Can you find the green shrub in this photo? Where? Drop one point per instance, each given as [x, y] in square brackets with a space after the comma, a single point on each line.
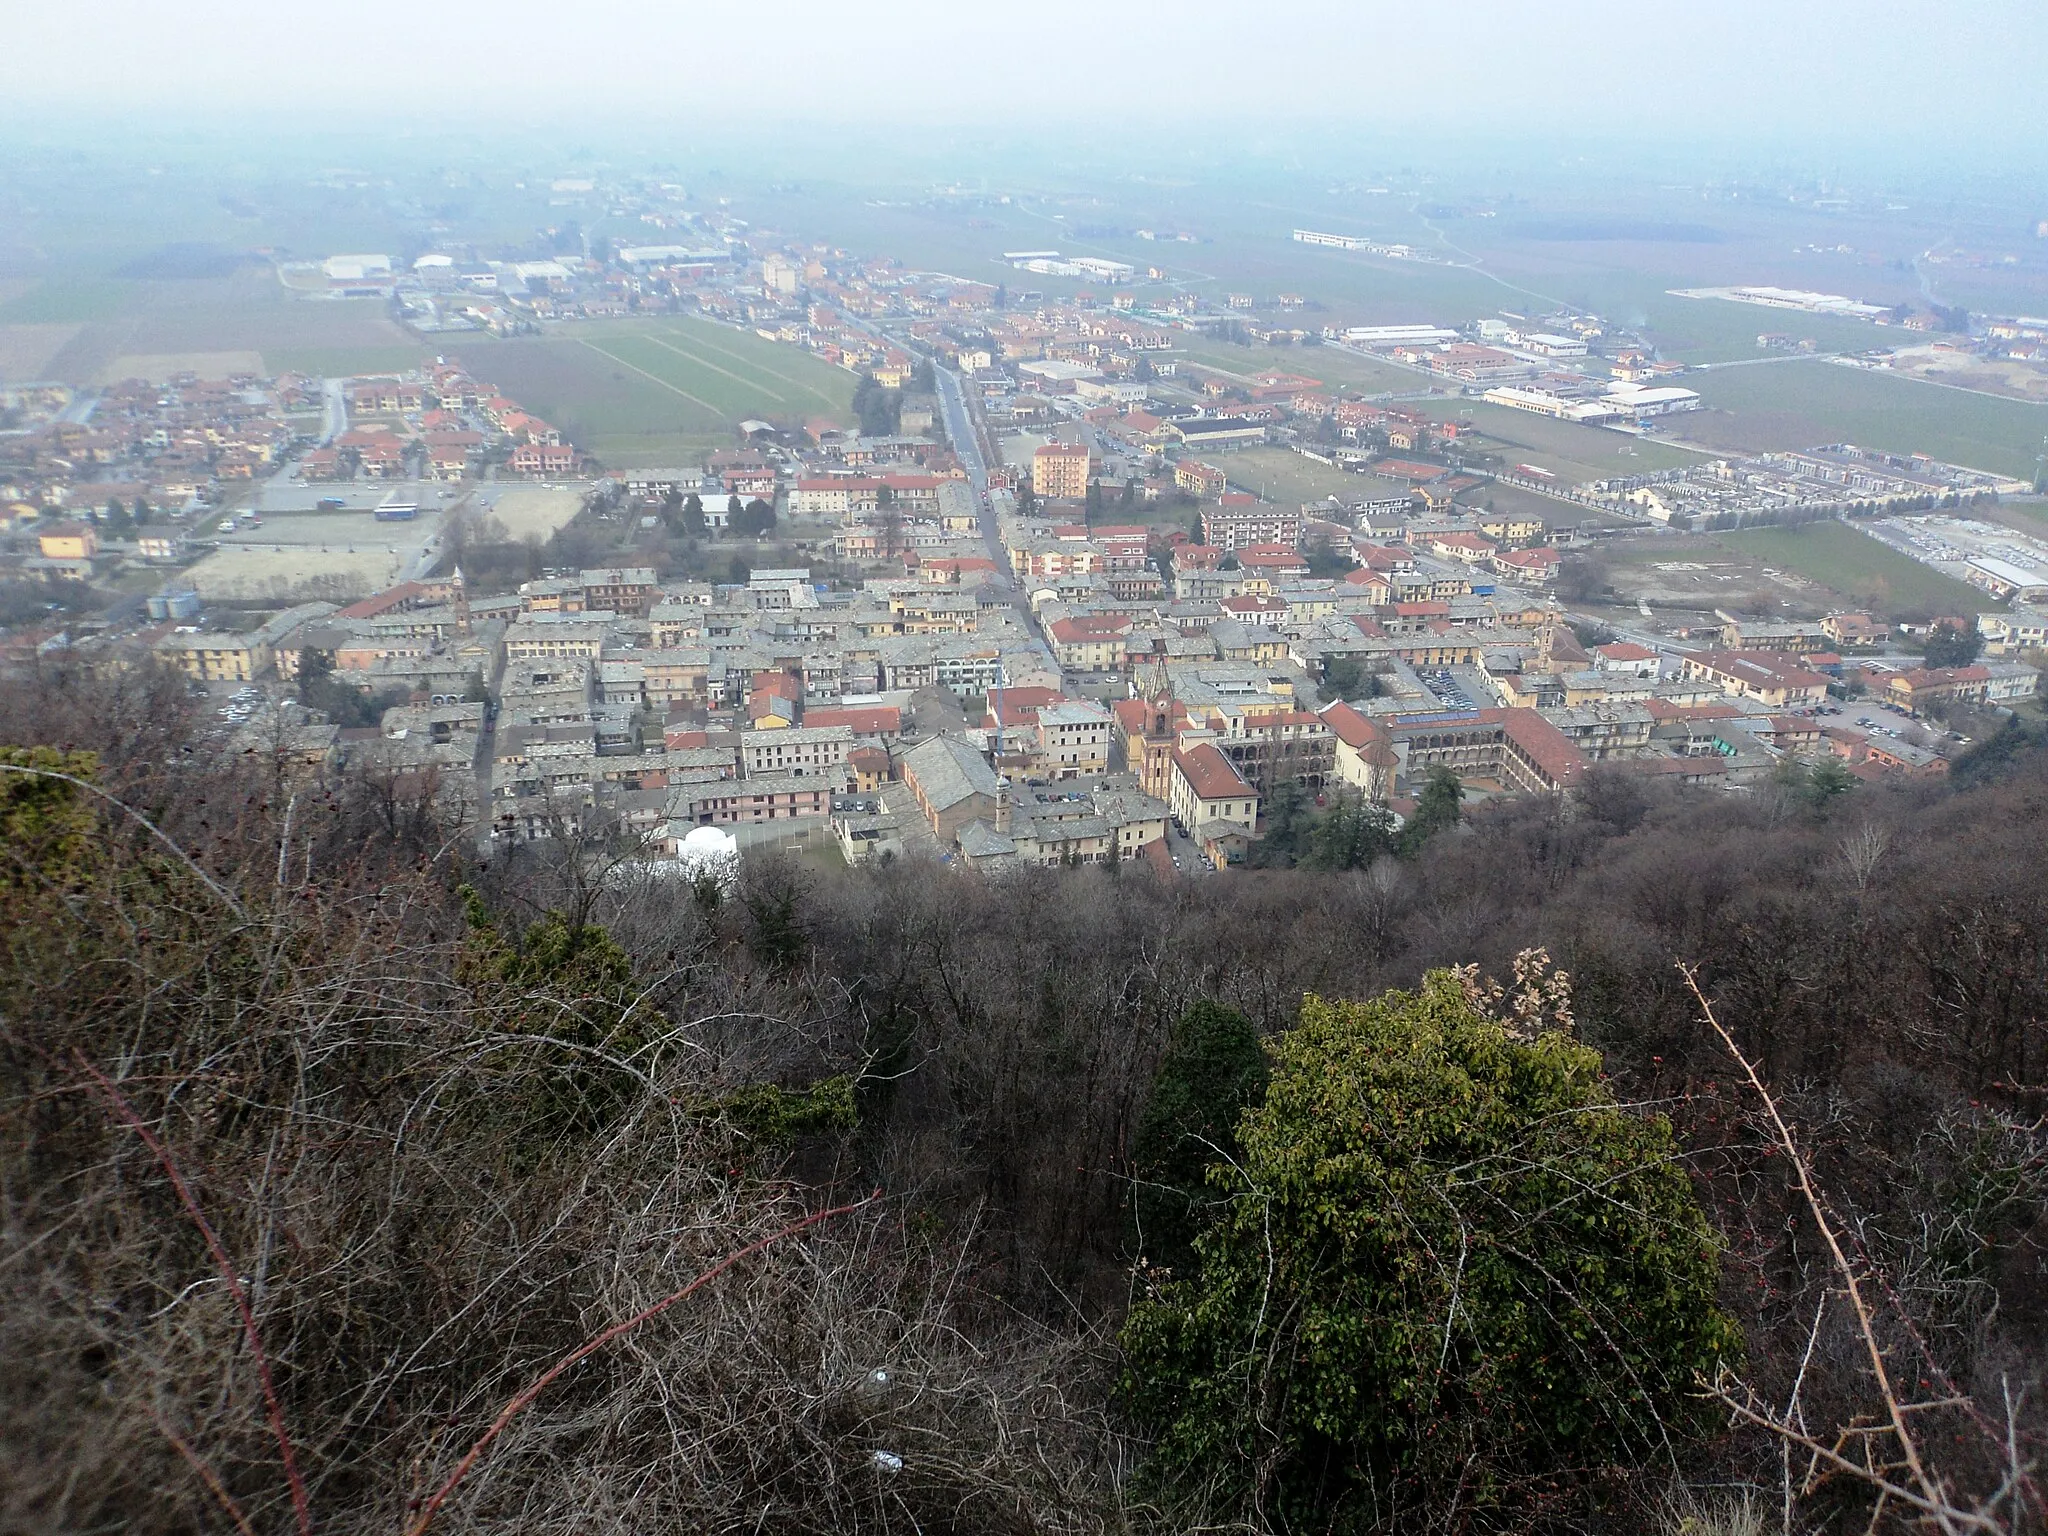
[1447, 1256]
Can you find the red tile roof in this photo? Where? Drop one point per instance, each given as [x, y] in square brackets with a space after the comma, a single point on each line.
[1209, 773]
[1545, 745]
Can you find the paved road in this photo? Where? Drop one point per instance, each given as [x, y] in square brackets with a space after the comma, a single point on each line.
[337, 409]
[960, 428]
[80, 410]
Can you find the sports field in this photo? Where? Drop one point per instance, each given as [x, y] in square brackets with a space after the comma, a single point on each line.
[1280, 474]
[1335, 369]
[659, 391]
[1567, 449]
[1776, 406]
[1850, 562]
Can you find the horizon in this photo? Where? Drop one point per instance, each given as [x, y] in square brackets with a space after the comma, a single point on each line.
[1738, 80]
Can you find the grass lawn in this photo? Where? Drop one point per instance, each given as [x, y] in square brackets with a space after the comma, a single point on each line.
[1335, 369]
[727, 372]
[1778, 406]
[1850, 562]
[1280, 474]
[657, 392]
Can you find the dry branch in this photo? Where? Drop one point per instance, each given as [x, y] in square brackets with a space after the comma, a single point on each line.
[229, 1277]
[596, 1342]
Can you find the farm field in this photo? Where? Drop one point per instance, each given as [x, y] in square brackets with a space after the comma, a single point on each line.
[26, 350]
[66, 301]
[245, 312]
[1858, 567]
[2028, 514]
[1778, 406]
[658, 391]
[159, 366]
[340, 362]
[1720, 330]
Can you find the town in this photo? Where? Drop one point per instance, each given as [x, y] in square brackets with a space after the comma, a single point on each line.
[844, 771]
[1042, 597]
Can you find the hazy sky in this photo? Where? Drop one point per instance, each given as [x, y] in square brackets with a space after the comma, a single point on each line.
[1699, 70]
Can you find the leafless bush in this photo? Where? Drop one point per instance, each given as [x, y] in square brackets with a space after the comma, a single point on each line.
[1925, 1449]
[302, 1193]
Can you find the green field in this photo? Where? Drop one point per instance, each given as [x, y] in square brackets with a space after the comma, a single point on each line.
[1776, 406]
[1280, 474]
[1567, 449]
[658, 391]
[66, 301]
[1858, 567]
[1719, 330]
[339, 362]
[1336, 370]
[247, 311]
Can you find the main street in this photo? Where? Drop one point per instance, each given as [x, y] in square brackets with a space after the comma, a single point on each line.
[967, 448]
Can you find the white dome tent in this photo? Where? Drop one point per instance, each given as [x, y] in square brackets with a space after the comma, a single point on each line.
[709, 851]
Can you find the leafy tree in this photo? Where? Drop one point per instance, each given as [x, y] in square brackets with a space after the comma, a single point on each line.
[141, 512]
[1091, 503]
[565, 984]
[1819, 783]
[1997, 756]
[342, 703]
[1286, 817]
[1448, 1256]
[1436, 810]
[1347, 677]
[693, 515]
[1323, 560]
[1591, 632]
[733, 513]
[1950, 646]
[1352, 834]
[116, 517]
[879, 410]
[1582, 578]
[1212, 1070]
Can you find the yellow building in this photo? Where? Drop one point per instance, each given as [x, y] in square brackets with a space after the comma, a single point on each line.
[1512, 529]
[1060, 470]
[69, 541]
[219, 657]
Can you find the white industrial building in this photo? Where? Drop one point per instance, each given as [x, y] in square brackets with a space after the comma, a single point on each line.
[1398, 335]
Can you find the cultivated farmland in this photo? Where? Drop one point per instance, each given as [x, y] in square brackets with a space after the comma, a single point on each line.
[1846, 560]
[1778, 406]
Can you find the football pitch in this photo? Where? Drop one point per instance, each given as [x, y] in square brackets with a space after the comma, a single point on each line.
[661, 390]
